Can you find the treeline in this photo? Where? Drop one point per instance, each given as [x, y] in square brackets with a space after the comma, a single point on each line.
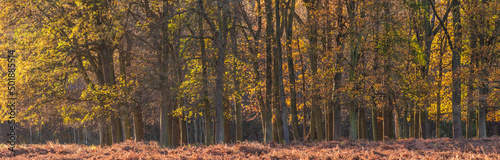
[206, 71]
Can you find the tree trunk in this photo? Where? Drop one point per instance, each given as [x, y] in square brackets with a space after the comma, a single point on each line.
[483, 91]
[424, 127]
[106, 57]
[388, 121]
[166, 60]
[117, 129]
[416, 120]
[276, 101]
[165, 119]
[362, 128]
[221, 39]
[470, 83]
[374, 119]
[206, 103]
[455, 65]
[138, 123]
[227, 121]
[104, 138]
[182, 123]
[438, 107]
[125, 113]
[278, 60]
[269, 57]
[329, 120]
[440, 83]
[396, 120]
[428, 37]
[239, 121]
[353, 118]
[405, 122]
[411, 129]
[291, 71]
[304, 91]
[176, 128]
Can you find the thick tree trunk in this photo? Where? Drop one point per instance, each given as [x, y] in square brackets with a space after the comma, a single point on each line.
[423, 120]
[138, 123]
[353, 118]
[329, 120]
[165, 119]
[219, 70]
[165, 59]
[481, 120]
[103, 132]
[362, 127]
[428, 37]
[455, 65]
[106, 57]
[388, 121]
[117, 129]
[269, 82]
[396, 120]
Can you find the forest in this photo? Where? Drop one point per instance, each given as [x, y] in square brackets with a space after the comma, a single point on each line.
[211, 72]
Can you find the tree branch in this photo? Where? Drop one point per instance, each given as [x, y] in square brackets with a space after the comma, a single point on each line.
[442, 24]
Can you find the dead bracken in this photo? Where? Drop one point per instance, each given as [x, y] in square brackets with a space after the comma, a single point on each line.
[344, 149]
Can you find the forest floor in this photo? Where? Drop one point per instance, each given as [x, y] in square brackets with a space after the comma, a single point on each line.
[443, 148]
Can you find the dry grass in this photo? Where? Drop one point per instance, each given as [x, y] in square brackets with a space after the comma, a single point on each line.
[443, 148]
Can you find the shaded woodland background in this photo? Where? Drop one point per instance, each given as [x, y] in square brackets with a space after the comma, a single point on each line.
[220, 71]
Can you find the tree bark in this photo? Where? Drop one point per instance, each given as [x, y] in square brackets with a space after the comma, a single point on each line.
[279, 76]
[304, 98]
[362, 127]
[353, 118]
[483, 91]
[440, 81]
[455, 65]
[138, 123]
[221, 39]
[291, 71]
[269, 57]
